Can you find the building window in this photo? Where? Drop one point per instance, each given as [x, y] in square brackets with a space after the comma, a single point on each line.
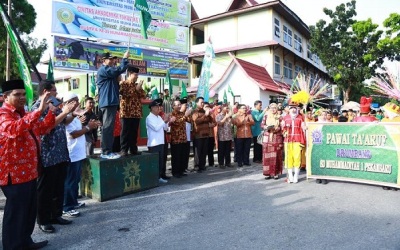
[298, 43]
[73, 84]
[297, 70]
[277, 65]
[287, 35]
[287, 69]
[312, 79]
[309, 54]
[316, 59]
[277, 28]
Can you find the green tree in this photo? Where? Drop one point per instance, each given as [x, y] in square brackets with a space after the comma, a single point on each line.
[23, 15]
[347, 48]
[390, 44]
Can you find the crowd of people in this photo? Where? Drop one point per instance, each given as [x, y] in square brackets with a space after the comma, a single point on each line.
[42, 151]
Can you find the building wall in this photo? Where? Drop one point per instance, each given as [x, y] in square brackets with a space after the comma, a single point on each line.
[222, 33]
[254, 27]
[258, 56]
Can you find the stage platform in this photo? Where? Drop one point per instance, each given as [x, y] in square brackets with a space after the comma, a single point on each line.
[107, 179]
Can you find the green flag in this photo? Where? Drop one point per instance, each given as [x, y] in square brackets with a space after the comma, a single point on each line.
[154, 94]
[169, 82]
[93, 86]
[205, 74]
[184, 91]
[230, 91]
[225, 97]
[24, 72]
[145, 16]
[50, 73]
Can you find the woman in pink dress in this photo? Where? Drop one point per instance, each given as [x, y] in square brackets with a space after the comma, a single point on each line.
[272, 143]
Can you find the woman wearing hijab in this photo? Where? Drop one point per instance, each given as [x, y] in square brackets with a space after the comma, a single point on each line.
[272, 143]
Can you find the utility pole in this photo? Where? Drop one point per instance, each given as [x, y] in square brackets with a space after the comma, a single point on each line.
[8, 55]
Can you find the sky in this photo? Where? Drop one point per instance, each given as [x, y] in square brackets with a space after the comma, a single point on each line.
[309, 11]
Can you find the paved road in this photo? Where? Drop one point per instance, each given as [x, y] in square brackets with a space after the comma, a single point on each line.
[231, 209]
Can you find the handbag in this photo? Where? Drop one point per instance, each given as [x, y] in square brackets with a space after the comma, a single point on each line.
[260, 138]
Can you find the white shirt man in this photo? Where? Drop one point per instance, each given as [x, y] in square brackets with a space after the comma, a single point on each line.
[156, 126]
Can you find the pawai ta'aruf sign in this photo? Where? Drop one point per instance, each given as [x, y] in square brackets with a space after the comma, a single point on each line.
[356, 152]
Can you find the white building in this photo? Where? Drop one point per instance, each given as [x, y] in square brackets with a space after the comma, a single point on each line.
[248, 38]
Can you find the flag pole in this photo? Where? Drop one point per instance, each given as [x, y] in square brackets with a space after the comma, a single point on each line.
[8, 54]
[21, 44]
[129, 41]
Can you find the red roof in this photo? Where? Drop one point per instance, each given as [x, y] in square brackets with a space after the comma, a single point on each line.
[239, 4]
[193, 13]
[259, 74]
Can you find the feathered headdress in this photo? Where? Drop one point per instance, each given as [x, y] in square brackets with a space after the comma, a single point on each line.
[305, 91]
[388, 84]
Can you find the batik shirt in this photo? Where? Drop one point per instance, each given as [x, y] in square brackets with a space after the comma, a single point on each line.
[54, 148]
[178, 128]
[130, 100]
[18, 148]
[224, 130]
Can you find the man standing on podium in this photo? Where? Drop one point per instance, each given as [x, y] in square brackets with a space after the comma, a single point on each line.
[109, 100]
[131, 94]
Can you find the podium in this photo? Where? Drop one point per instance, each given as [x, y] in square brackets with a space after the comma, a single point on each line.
[104, 179]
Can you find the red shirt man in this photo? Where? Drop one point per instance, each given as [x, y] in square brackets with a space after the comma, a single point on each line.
[19, 161]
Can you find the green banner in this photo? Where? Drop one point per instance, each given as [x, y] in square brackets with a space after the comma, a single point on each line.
[365, 153]
[23, 69]
[96, 23]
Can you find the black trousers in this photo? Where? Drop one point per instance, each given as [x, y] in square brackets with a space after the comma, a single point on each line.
[200, 149]
[234, 150]
[210, 151]
[224, 153]
[19, 214]
[243, 151]
[178, 158]
[50, 193]
[107, 134]
[186, 155]
[257, 150]
[129, 134]
[165, 156]
[116, 148]
[160, 150]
